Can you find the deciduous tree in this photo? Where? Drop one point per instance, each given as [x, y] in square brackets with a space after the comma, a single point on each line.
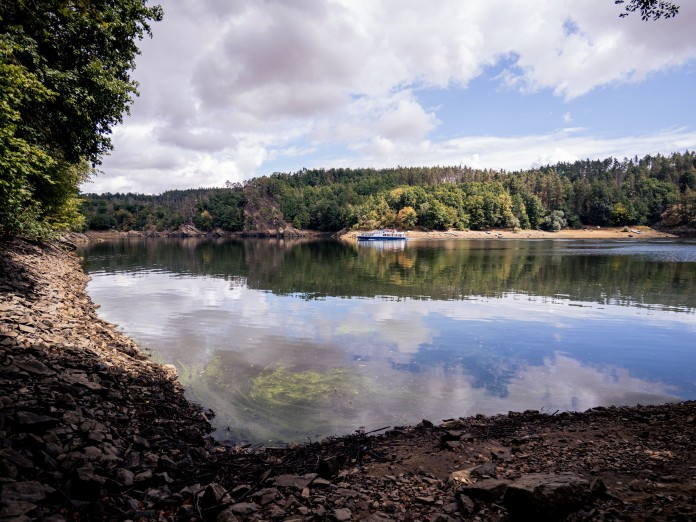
[64, 84]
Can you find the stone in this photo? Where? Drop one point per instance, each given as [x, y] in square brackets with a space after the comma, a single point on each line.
[546, 496]
[143, 476]
[16, 509]
[343, 514]
[244, 508]
[462, 476]
[35, 367]
[29, 491]
[170, 371]
[465, 504]
[35, 422]
[266, 496]
[214, 495]
[487, 470]
[329, 467]
[298, 482]
[226, 516]
[488, 490]
[125, 477]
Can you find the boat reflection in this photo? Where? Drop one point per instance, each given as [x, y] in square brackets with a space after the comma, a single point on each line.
[383, 245]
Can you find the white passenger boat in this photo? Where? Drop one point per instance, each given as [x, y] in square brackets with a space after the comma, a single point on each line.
[383, 234]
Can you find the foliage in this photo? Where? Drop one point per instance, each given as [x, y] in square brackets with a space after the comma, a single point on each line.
[555, 221]
[649, 9]
[603, 192]
[64, 84]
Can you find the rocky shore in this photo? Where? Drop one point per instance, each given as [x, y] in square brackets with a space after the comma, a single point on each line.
[90, 429]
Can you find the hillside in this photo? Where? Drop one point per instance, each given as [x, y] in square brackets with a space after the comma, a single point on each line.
[657, 191]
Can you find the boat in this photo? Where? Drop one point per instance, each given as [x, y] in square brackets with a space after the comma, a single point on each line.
[383, 234]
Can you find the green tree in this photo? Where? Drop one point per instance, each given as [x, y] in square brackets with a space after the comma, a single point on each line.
[621, 214]
[64, 83]
[554, 221]
[407, 218]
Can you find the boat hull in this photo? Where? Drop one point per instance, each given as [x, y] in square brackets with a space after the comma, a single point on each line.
[380, 238]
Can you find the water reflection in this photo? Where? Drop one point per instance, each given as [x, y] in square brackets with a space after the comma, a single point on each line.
[275, 348]
[633, 274]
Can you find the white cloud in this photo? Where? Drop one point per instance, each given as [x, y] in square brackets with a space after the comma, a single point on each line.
[226, 87]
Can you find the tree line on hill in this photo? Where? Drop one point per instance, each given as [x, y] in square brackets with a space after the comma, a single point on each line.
[652, 190]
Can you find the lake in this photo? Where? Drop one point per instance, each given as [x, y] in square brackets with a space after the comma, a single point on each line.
[298, 340]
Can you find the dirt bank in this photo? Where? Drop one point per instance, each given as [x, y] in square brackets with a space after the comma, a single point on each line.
[637, 233]
[91, 429]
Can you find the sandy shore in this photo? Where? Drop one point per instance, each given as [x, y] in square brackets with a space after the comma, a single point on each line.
[585, 233]
[90, 429]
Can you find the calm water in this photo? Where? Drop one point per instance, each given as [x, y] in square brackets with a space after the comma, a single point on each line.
[287, 340]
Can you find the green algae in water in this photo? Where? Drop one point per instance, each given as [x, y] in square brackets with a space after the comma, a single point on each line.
[280, 386]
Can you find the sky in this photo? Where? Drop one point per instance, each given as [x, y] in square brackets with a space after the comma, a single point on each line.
[232, 90]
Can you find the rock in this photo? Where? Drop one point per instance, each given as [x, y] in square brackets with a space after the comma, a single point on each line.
[213, 496]
[543, 496]
[343, 514]
[465, 504]
[462, 476]
[170, 371]
[489, 490]
[35, 367]
[298, 482]
[29, 491]
[143, 476]
[329, 467]
[16, 509]
[266, 496]
[226, 516]
[35, 422]
[487, 470]
[125, 477]
[244, 508]
[86, 484]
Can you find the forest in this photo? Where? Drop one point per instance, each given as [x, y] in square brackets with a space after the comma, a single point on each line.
[655, 190]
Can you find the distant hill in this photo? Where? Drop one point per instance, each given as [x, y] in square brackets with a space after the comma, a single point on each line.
[655, 191]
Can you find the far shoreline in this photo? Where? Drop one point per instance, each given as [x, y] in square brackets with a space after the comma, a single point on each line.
[636, 233]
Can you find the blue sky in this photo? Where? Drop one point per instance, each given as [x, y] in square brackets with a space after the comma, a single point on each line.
[234, 90]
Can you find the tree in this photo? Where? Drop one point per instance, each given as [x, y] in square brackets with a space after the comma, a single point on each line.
[406, 218]
[555, 221]
[64, 84]
[649, 9]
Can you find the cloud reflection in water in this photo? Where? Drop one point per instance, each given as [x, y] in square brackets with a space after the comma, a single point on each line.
[407, 359]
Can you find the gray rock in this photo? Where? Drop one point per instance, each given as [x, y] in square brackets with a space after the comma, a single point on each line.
[343, 514]
[213, 496]
[33, 422]
[35, 367]
[125, 477]
[465, 504]
[143, 476]
[227, 516]
[266, 496]
[244, 508]
[29, 491]
[16, 509]
[298, 482]
[542, 496]
[487, 470]
[488, 490]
